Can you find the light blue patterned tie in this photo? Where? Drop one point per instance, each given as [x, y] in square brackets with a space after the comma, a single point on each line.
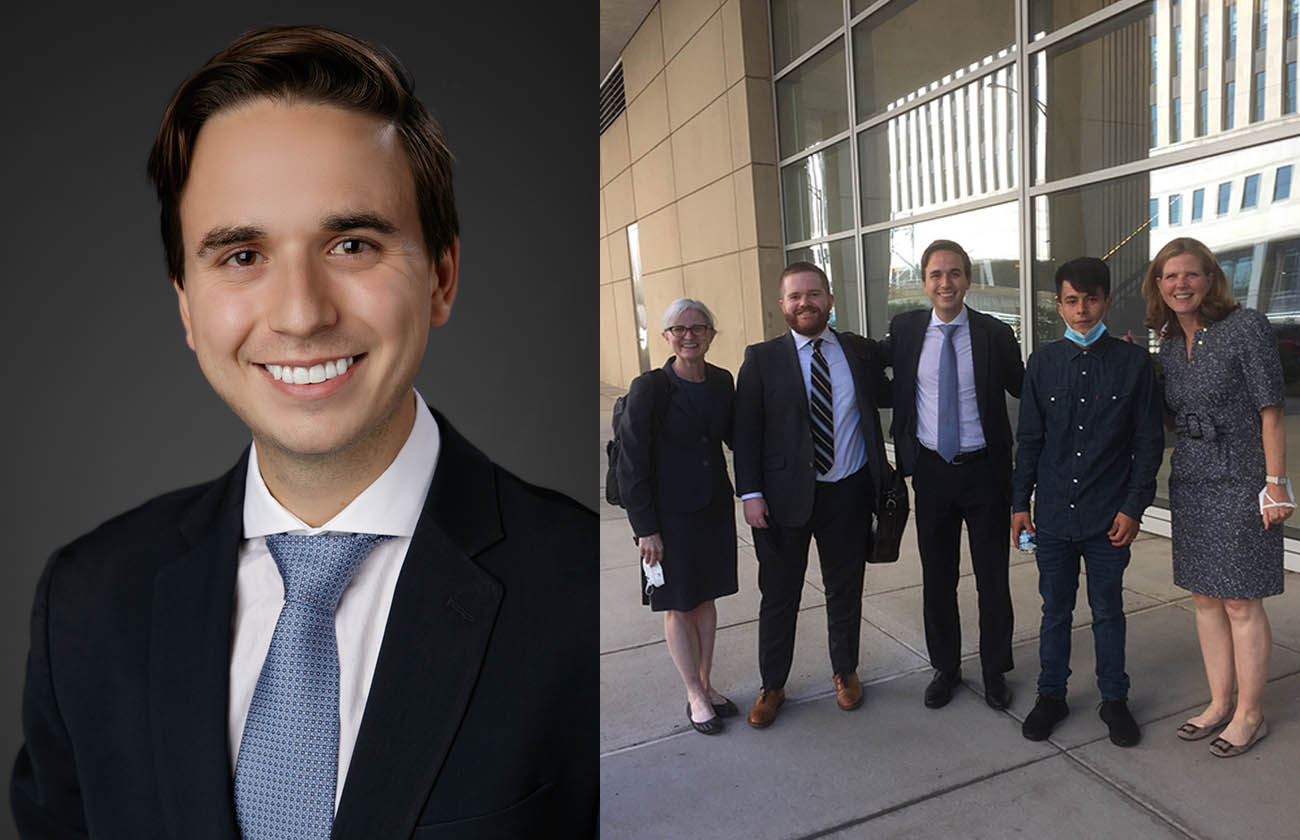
[949, 411]
[287, 769]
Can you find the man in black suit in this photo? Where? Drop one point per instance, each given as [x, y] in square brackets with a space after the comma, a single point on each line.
[808, 455]
[186, 678]
[953, 367]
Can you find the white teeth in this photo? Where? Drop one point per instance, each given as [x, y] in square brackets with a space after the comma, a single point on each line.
[312, 375]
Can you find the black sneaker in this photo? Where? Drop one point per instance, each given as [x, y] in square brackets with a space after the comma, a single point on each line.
[1124, 730]
[1048, 711]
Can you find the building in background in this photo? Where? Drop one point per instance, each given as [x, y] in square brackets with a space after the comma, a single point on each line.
[851, 133]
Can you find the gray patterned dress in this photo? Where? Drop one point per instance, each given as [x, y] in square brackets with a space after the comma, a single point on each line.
[1220, 546]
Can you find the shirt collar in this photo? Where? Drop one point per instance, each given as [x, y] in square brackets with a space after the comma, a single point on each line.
[1098, 347]
[962, 319]
[391, 505]
[802, 341]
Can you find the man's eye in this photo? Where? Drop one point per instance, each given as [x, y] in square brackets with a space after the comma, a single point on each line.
[243, 259]
[350, 247]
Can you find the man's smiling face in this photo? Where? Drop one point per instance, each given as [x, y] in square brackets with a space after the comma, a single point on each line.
[308, 292]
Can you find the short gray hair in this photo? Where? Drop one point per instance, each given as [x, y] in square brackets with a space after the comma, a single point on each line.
[680, 305]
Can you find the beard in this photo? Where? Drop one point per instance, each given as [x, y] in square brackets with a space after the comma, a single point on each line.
[805, 327]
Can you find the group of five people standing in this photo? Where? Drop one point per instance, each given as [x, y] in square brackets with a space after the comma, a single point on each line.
[804, 425]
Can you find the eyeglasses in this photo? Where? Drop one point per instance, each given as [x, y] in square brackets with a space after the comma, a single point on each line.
[697, 330]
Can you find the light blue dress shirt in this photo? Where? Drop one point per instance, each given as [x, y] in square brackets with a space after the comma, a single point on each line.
[927, 386]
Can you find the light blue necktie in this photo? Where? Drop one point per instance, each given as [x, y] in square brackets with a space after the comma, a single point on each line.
[949, 412]
[287, 769]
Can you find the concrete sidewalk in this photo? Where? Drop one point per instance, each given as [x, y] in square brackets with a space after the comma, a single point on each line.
[897, 769]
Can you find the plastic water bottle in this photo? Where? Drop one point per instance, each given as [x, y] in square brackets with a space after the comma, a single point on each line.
[1027, 543]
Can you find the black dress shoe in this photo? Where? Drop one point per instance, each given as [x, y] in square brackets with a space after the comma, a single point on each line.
[940, 689]
[996, 692]
[725, 709]
[1124, 730]
[1048, 711]
[712, 726]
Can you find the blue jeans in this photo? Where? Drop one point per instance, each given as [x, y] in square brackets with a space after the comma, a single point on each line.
[1058, 581]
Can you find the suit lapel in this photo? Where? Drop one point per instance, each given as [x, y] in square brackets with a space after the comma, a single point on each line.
[189, 665]
[913, 340]
[979, 357]
[434, 643]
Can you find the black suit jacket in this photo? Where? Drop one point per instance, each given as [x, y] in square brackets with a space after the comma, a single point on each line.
[677, 467]
[480, 718]
[773, 439]
[995, 356]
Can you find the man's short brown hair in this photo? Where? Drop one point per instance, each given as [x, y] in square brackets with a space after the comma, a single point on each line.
[308, 64]
[945, 245]
[799, 267]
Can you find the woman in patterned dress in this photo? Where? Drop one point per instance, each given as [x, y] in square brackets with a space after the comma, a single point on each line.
[1227, 488]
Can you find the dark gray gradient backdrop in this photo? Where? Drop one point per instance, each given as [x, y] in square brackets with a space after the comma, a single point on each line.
[105, 406]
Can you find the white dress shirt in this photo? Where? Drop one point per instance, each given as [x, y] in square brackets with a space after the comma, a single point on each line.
[927, 386]
[850, 449]
[390, 505]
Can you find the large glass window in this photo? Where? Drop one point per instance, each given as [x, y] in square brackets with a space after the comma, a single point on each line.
[817, 192]
[1250, 192]
[1198, 204]
[1175, 209]
[1093, 110]
[839, 260]
[1288, 95]
[812, 101]
[1282, 183]
[1232, 30]
[908, 48]
[1257, 113]
[1202, 112]
[1225, 197]
[893, 270]
[798, 25]
[1046, 16]
[1176, 120]
[1229, 105]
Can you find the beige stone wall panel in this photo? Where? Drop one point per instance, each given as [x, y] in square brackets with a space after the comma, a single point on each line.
[681, 20]
[753, 22]
[605, 276]
[767, 205]
[716, 282]
[702, 148]
[620, 208]
[620, 266]
[611, 366]
[771, 261]
[643, 57]
[708, 221]
[614, 155]
[604, 229]
[659, 290]
[652, 180]
[695, 75]
[647, 118]
[762, 120]
[733, 42]
[625, 334]
[660, 241]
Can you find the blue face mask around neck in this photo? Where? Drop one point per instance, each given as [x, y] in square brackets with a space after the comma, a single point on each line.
[1093, 334]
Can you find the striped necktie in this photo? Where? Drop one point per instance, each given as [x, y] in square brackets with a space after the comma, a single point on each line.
[821, 412]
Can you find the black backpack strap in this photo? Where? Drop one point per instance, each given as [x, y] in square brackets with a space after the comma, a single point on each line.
[661, 385]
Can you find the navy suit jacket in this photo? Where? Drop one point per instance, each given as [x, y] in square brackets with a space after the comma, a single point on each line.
[995, 356]
[480, 718]
[773, 438]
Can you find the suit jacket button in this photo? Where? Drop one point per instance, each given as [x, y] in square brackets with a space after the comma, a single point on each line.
[706, 462]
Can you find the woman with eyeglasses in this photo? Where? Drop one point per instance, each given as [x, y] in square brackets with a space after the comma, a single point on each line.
[679, 499]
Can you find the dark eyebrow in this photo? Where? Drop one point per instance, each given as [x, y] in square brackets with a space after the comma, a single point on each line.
[344, 222]
[222, 237]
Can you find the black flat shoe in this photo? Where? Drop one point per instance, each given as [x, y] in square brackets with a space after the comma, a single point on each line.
[996, 692]
[712, 726]
[940, 689]
[725, 709]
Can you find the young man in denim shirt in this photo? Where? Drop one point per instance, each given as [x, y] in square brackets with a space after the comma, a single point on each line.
[1090, 439]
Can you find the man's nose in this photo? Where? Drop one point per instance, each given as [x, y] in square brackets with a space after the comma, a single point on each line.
[302, 298]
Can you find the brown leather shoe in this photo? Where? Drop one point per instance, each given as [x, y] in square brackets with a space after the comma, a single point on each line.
[848, 691]
[765, 707]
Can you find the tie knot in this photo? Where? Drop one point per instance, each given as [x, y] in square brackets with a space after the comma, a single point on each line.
[817, 345]
[316, 569]
[948, 329]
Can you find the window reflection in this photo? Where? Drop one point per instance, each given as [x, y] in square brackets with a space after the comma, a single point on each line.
[812, 101]
[818, 192]
[839, 260]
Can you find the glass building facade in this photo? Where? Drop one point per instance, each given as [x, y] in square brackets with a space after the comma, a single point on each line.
[1033, 132]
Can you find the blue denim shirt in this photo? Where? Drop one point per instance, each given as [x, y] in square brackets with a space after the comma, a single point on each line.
[1091, 436]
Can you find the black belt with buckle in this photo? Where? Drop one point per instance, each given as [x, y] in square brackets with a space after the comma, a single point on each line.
[1190, 424]
[962, 458]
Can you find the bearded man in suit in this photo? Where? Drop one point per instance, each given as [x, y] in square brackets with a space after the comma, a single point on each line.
[327, 640]
[808, 459]
[952, 369]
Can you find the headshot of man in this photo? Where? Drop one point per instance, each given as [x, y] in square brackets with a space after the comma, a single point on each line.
[332, 637]
[953, 368]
